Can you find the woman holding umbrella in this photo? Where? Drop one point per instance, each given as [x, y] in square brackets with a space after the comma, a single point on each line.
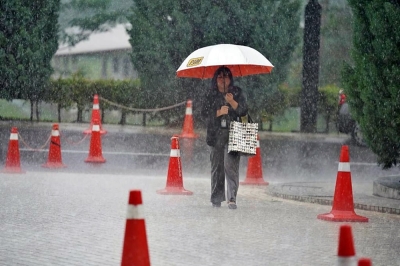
[224, 102]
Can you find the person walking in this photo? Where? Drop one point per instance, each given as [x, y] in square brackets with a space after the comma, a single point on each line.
[223, 103]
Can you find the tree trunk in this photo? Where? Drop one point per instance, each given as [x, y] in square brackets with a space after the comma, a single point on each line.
[59, 113]
[309, 101]
[79, 117]
[37, 111]
[123, 117]
[144, 120]
[31, 116]
[270, 126]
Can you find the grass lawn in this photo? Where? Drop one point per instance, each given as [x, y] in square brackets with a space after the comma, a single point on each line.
[10, 110]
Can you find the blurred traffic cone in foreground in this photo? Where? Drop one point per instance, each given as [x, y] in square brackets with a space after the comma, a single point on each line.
[54, 160]
[95, 116]
[95, 150]
[174, 179]
[364, 262]
[254, 175]
[346, 250]
[187, 131]
[13, 163]
[343, 206]
[135, 249]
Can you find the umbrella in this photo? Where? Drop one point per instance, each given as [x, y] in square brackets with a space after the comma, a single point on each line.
[241, 60]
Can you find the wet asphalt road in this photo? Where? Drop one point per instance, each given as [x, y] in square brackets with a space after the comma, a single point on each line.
[76, 215]
[134, 150]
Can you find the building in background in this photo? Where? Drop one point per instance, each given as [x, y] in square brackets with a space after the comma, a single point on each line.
[104, 55]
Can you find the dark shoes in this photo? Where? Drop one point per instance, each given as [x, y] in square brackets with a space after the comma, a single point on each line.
[232, 205]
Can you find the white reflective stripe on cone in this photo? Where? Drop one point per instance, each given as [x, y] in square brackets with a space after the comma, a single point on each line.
[344, 167]
[96, 106]
[175, 153]
[14, 136]
[96, 128]
[188, 110]
[134, 212]
[55, 133]
[347, 261]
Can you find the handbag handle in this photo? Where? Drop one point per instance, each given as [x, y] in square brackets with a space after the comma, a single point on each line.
[249, 119]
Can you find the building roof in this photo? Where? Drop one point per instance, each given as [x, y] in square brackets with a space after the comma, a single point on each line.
[114, 39]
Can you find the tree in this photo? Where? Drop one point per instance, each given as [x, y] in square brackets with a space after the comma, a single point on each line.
[335, 42]
[79, 18]
[309, 103]
[165, 32]
[373, 82]
[28, 41]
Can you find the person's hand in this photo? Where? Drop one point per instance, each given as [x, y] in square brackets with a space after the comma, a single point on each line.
[229, 98]
[224, 110]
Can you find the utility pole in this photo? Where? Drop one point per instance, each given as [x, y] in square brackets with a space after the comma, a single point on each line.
[309, 95]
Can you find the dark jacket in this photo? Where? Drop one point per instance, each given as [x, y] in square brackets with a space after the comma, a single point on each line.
[213, 102]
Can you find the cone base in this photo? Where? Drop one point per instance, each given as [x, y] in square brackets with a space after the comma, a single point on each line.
[189, 135]
[342, 216]
[89, 131]
[254, 181]
[53, 165]
[174, 191]
[92, 159]
[13, 170]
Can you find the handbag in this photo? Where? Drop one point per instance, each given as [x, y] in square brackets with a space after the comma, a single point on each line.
[243, 136]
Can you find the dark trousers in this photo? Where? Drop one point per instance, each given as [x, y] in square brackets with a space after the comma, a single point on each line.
[223, 166]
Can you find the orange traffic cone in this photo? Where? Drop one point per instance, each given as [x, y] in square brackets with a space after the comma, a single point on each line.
[13, 164]
[174, 179]
[95, 116]
[187, 131]
[343, 206]
[54, 160]
[254, 175]
[135, 249]
[95, 151]
[346, 250]
[364, 262]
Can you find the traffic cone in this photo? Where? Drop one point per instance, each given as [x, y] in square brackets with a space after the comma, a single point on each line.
[254, 175]
[174, 179]
[135, 250]
[364, 262]
[343, 206]
[95, 151]
[95, 116]
[187, 131]
[13, 164]
[346, 250]
[54, 160]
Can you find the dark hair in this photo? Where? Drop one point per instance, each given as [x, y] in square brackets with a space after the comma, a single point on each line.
[222, 70]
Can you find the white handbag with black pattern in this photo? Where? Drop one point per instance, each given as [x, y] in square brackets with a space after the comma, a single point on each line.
[243, 137]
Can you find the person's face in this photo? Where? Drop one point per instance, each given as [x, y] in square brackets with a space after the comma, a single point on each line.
[223, 82]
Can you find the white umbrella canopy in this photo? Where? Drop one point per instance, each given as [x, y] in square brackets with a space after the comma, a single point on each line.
[241, 60]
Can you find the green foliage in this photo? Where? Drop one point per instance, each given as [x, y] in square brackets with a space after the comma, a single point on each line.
[79, 90]
[335, 44]
[328, 103]
[165, 32]
[87, 16]
[336, 38]
[28, 41]
[373, 83]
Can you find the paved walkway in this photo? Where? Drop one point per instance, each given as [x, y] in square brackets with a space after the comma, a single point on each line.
[322, 193]
[69, 219]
